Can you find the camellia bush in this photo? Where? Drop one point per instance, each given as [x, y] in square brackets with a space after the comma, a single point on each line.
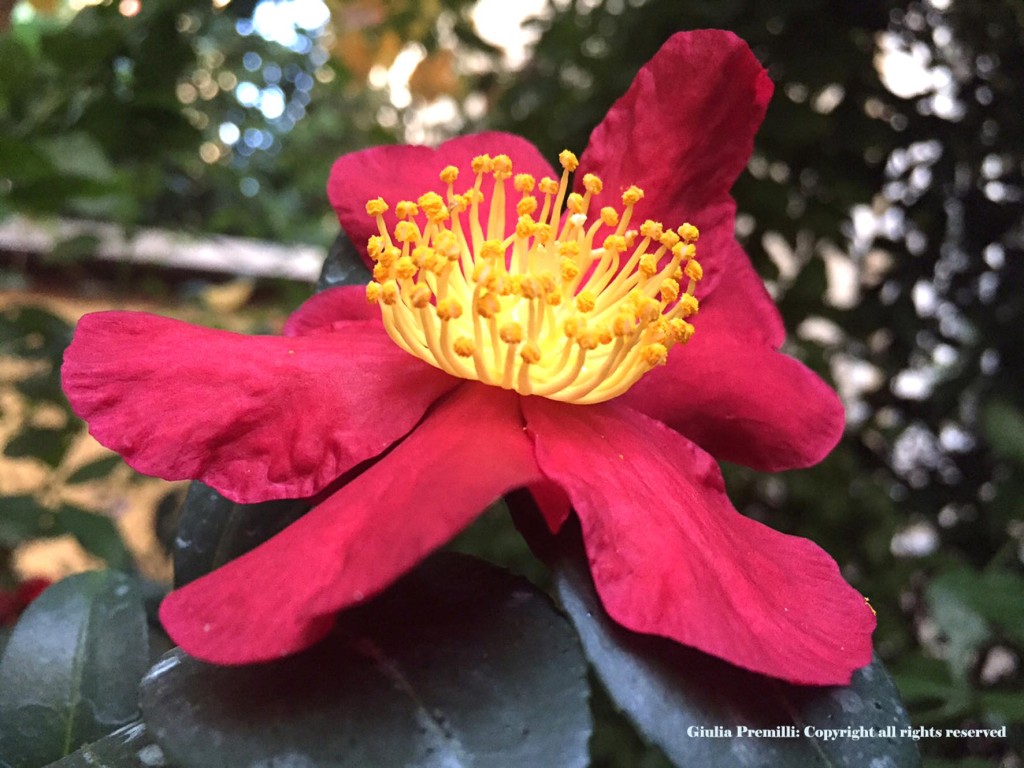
[575, 348]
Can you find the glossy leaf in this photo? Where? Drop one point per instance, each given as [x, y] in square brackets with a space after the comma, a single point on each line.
[70, 671]
[127, 747]
[459, 664]
[671, 693]
[213, 529]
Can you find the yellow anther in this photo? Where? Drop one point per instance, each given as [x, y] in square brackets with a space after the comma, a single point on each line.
[464, 346]
[449, 309]
[624, 323]
[689, 233]
[375, 247]
[553, 299]
[547, 280]
[609, 216]
[525, 226]
[648, 266]
[389, 293]
[482, 164]
[488, 306]
[632, 196]
[572, 326]
[474, 196]
[542, 233]
[502, 166]
[390, 255]
[449, 174]
[524, 182]
[434, 262]
[649, 310]
[420, 296]
[405, 268]
[604, 334]
[652, 229]
[630, 238]
[693, 270]
[526, 206]
[588, 339]
[530, 287]
[492, 249]
[512, 285]
[548, 186]
[373, 292]
[434, 206]
[530, 352]
[690, 305]
[680, 331]
[420, 254]
[585, 301]
[568, 160]
[654, 354]
[592, 184]
[511, 333]
[669, 290]
[406, 209]
[574, 202]
[688, 251]
[616, 243]
[458, 204]
[376, 207]
[668, 238]
[447, 244]
[407, 232]
[380, 272]
[570, 248]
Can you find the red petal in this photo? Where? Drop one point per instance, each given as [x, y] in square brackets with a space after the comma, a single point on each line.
[406, 172]
[335, 305]
[683, 132]
[282, 596]
[671, 557]
[740, 309]
[743, 403]
[256, 417]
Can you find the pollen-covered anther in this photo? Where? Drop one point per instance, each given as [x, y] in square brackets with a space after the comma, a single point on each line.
[511, 333]
[449, 309]
[562, 299]
[654, 354]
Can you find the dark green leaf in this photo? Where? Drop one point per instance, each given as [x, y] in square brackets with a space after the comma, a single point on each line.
[43, 443]
[343, 265]
[458, 664]
[33, 332]
[1004, 429]
[970, 608]
[213, 530]
[127, 747]
[23, 518]
[671, 692]
[70, 671]
[96, 469]
[97, 534]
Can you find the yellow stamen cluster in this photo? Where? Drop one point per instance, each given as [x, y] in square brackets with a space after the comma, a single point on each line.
[571, 306]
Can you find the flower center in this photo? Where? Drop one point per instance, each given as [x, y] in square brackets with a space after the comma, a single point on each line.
[574, 310]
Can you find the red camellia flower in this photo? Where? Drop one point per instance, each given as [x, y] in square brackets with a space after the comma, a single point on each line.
[517, 334]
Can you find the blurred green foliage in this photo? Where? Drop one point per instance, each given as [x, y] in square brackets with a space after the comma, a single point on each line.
[886, 218]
